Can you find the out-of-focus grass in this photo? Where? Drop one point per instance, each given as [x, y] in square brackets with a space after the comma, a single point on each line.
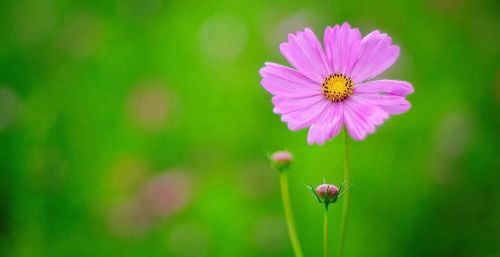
[99, 99]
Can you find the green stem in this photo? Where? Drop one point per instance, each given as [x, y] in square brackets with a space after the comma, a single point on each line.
[345, 206]
[325, 233]
[288, 215]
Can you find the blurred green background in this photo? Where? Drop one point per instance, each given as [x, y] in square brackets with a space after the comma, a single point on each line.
[139, 128]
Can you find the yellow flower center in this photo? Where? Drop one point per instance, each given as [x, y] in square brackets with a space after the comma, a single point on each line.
[337, 87]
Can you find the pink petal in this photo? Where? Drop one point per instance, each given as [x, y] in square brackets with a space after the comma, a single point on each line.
[377, 54]
[371, 113]
[281, 80]
[304, 52]
[327, 126]
[392, 87]
[342, 47]
[287, 104]
[305, 117]
[392, 104]
[361, 118]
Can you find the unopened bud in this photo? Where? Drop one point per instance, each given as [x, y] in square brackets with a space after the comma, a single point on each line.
[281, 159]
[327, 192]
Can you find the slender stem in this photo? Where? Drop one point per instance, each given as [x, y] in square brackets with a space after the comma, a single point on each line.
[325, 233]
[345, 206]
[288, 215]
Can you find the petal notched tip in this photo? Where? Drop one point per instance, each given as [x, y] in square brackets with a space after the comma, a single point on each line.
[314, 138]
[284, 48]
[346, 26]
[409, 87]
[359, 137]
[262, 72]
[403, 88]
[307, 30]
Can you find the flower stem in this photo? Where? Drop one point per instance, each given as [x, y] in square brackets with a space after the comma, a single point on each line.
[288, 215]
[345, 206]
[325, 233]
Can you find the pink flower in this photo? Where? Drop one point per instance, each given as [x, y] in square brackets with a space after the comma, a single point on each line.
[330, 86]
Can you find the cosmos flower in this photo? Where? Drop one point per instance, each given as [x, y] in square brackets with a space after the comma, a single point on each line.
[331, 86]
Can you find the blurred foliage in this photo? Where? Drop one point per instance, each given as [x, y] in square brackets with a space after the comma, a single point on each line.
[139, 128]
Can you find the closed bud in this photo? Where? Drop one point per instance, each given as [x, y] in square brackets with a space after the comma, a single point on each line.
[327, 192]
[281, 160]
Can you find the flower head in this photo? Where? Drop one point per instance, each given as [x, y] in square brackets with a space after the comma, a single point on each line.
[330, 85]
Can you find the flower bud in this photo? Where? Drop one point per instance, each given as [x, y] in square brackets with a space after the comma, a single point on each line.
[326, 192]
[281, 159]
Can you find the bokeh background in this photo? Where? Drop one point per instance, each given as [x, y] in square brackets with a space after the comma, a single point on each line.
[139, 128]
